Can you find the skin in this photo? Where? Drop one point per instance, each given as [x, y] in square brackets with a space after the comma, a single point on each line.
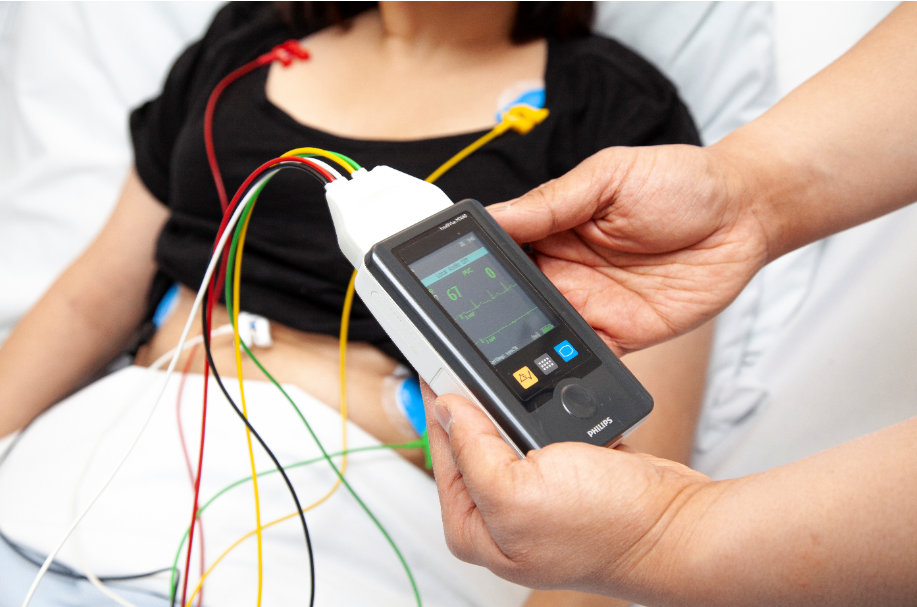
[440, 66]
[424, 58]
[651, 242]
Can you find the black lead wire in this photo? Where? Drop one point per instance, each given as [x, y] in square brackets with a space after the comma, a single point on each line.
[286, 479]
[219, 380]
[64, 571]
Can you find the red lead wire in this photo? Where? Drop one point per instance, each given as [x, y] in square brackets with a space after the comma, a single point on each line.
[184, 448]
[285, 53]
[215, 286]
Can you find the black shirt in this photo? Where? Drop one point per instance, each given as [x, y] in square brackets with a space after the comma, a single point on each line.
[599, 94]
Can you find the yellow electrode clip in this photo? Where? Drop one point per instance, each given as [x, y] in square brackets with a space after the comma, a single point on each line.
[521, 118]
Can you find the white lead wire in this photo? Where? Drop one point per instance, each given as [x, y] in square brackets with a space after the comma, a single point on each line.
[178, 349]
[160, 362]
[327, 167]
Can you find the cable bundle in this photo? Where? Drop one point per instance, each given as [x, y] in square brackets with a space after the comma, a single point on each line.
[519, 118]
[231, 218]
[237, 219]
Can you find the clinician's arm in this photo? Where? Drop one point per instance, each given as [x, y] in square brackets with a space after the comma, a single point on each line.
[650, 242]
[88, 315]
[837, 528]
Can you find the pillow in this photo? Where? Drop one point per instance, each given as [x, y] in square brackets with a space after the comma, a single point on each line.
[720, 55]
[69, 73]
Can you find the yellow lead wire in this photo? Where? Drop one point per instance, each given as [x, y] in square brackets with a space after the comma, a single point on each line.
[345, 326]
[236, 280]
[345, 318]
[520, 118]
[324, 154]
[226, 552]
[474, 147]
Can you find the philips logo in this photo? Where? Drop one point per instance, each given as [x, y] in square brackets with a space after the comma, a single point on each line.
[600, 426]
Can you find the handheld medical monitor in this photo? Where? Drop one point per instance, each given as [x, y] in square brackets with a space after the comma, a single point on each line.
[476, 317]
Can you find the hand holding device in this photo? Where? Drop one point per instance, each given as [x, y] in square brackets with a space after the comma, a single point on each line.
[569, 516]
[646, 243]
[670, 235]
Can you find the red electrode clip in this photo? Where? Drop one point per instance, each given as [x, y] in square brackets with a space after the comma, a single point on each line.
[285, 53]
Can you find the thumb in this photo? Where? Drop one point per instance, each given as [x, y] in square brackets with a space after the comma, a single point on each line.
[565, 202]
[479, 452]
[470, 464]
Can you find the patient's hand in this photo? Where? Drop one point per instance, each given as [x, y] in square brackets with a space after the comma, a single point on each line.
[646, 243]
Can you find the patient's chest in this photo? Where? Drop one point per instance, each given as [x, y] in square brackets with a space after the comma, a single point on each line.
[359, 84]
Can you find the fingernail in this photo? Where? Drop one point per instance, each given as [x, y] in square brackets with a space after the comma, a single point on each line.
[443, 416]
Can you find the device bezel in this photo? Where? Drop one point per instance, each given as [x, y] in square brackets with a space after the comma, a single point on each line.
[466, 361]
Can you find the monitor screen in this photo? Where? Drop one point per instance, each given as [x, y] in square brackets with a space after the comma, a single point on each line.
[487, 301]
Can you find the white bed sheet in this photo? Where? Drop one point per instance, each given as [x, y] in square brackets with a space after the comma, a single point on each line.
[138, 523]
[818, 349]
[69, 74]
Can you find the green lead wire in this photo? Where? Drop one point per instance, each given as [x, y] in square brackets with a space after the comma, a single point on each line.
[327, 457]
[234, 245]
[350, 161]
[409, 445]
[228, 294]
[346, 160]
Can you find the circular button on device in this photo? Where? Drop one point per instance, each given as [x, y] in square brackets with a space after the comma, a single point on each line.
[578, 401]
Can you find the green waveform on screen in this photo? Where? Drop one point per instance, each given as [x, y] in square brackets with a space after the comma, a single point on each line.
[469, 314]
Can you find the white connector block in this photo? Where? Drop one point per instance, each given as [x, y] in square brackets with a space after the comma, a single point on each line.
[255, 330]
[377, 204]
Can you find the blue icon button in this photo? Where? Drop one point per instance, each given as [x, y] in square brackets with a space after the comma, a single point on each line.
[565, 350]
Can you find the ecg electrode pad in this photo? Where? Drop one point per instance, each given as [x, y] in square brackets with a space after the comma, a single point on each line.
[475, 317]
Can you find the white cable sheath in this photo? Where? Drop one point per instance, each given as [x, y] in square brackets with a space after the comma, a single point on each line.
[81, 561]
[376, 204]
[327, 167]
[165, 382]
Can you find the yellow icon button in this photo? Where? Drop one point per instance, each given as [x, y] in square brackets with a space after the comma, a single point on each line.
[525, 377]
